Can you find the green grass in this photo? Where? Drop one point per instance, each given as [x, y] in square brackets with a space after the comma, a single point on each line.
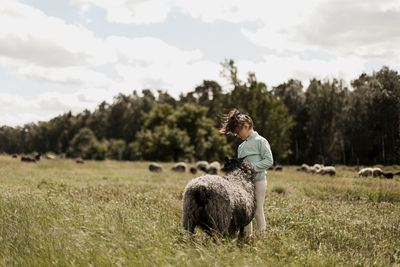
[57, 212]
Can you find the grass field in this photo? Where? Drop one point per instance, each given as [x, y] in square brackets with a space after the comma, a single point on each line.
[109, 213]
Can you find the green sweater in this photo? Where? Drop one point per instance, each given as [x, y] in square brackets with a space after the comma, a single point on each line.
[257, 151]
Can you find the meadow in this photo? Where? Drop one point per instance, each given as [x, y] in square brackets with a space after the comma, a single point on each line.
[114, 213]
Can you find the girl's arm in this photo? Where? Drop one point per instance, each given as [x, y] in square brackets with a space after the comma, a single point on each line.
[266, 157]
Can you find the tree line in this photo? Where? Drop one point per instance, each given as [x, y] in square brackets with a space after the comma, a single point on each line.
[327, 122]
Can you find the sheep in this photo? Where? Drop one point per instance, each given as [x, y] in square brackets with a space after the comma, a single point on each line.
[388, 175]
[310, 169]
[179, 167]
[28, 159]
[14, 156]
[365, 172]
[327, 170]
[193, 170]
[224, 204]
[376, 172]
[37, 156]
[278, 168]
[304, 167]
[79, 160]
[154, 167]
[49, 156]
[213, 167]
[202, 165]
[318, 166]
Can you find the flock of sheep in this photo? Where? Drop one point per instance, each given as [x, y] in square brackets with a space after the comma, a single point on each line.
[365, 172]
[318, 169]
[211, 168]
[376, 172]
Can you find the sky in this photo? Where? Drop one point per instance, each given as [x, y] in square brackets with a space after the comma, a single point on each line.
[69, 55]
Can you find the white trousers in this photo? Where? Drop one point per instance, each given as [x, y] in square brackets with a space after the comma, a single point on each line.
[261, 188]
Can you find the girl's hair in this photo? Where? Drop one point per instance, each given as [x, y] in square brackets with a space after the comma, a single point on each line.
[235, 121]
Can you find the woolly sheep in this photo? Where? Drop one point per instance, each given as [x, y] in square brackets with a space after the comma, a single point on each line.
[388, 175]
[223, 204]
[49, 156]
[365, 172]
[37, 156]
[193, 170]
[213, 167]
[202, 165]
[154, 167]
[304, 167]
[179, 167]
[318, 166]
[376, 172]
[79, 160]
[28, 159]
[327, 170]
[278, 168]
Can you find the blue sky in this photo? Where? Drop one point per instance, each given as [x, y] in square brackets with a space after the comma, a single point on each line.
[57, 56]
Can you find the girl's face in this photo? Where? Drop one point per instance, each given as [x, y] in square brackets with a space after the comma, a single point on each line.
[244, 132]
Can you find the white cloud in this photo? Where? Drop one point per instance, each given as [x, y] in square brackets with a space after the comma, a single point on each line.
[30, 36]
[128, 11]
[367, 29]
[68, 76]
[175, 78]
[275, 70]
[148, 50]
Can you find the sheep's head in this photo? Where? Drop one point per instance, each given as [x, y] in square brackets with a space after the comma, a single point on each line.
[235, 163]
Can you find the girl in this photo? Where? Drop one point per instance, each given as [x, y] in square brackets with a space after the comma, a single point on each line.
[257, 152]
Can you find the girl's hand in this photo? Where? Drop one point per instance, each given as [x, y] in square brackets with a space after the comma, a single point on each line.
[249, 164]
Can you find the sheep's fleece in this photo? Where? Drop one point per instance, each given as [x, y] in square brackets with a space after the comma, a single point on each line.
[222, 204]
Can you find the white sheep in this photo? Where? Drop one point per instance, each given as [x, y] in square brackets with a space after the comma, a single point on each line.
[327, 170]
[365, 172]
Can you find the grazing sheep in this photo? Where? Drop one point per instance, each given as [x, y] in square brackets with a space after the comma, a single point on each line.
[202, 165]
[376, 172]
[179, 167]
[37, 156]
[28, 159]
[311, 169]
[79, 160]
[213, 167]
[49, 156]
[154, 167]
[193, 170]
[388, 175]
[318, 166]
[278, 168]
[14, 156]
[327, 170]
[221, 203]
[365, 172]
[304, 167]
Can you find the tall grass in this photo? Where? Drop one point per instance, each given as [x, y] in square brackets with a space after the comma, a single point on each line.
[118, 213]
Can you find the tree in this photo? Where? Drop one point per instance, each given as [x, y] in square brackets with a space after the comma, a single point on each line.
[85, 145]
[270, 116]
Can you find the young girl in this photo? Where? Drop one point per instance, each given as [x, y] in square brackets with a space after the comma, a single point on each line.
[257, 153]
